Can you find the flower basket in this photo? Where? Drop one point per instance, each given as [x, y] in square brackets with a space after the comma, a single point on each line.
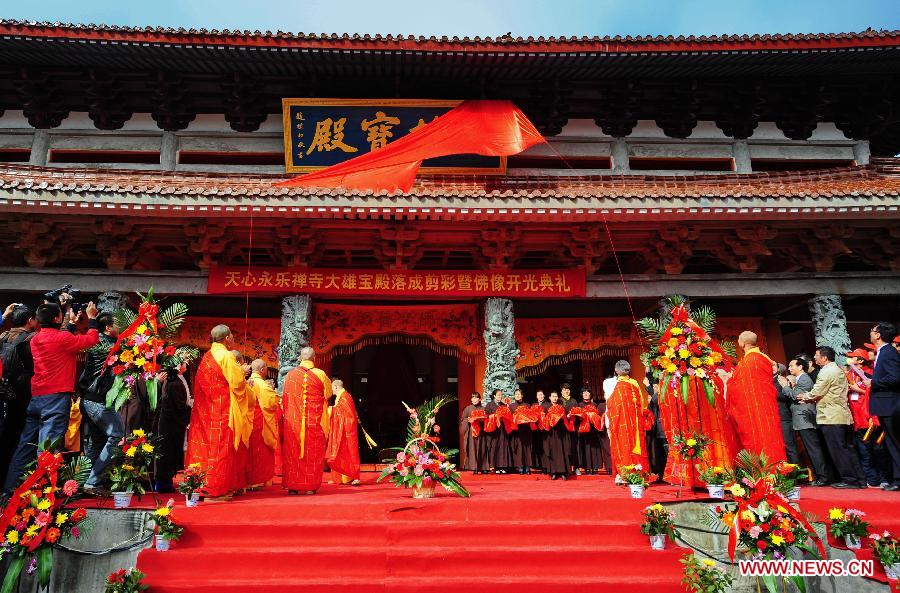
[423, 491]
[715, 491]
[192, 499]
[122, 500]
[162, 544]
[637, 491]
[658, 542]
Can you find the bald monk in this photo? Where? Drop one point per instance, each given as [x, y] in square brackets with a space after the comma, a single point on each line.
[306, 391]
[264, 402]
[343, 445]
[751, 403]
[625, 410]
[220, 426]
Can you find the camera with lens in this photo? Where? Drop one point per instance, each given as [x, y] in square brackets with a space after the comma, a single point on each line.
[54, 296]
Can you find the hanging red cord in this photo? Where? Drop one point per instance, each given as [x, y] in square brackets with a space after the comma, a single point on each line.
[247, 294]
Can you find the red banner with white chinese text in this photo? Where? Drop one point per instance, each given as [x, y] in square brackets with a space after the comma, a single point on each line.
[386, 283]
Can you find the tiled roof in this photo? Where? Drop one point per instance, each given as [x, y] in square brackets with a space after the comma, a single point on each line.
[614, 44]
[874, 188]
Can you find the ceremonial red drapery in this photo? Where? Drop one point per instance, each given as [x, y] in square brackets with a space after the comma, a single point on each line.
[449, 329]
[489, 128]
[555, 341]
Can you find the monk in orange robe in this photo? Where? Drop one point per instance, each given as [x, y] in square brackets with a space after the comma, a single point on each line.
[306, 391]
[752, 406]
[265, 426]
[625, 411]
[343, 444]
[220, 419]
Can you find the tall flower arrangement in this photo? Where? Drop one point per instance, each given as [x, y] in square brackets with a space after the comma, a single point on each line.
[35, 518]
[684, 350]
[144, 348]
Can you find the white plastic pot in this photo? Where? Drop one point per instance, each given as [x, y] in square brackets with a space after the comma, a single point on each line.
[122, 500]
[637, 491]
[162, 544]
[657, 542]
[192, 499]
[715, 491]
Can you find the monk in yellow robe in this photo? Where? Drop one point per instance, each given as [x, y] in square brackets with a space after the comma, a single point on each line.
[625, 411]
[264, 402]
[343, 443]
[220, 422]
[751, 402]
[306, 392]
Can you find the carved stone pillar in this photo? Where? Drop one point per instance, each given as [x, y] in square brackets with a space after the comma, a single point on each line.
[110, 301]
[500, 348]
[830, 324]
[294, 333]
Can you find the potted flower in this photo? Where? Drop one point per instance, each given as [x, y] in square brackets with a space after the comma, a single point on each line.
[715, 478]
[786, 477]
[167, 529]
[659, 524]
[703, 576]
[848, 524]
[125, 581]
[130, 470]
[190, 482]
[887, 550]
[636, 478]
[420, 466]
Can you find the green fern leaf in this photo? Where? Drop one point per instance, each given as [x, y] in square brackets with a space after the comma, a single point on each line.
[171, 319]
[705, 318]
[124, 317]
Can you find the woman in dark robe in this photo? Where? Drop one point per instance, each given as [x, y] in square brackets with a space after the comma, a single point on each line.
[173, 419]
[502, 418]
[557, 426]
[522, 440]
[590, 423]
[605, 447]
[539, 436]
[471, 437]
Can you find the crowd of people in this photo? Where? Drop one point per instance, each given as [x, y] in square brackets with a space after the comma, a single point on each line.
[841, 422]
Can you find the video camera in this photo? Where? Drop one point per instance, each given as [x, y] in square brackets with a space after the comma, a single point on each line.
[54, 297]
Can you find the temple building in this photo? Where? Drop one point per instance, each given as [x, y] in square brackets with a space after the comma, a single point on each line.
[754, 174]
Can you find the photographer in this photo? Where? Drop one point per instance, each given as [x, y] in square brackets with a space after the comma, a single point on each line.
[103, 425]
[18, 368]
[53, 383]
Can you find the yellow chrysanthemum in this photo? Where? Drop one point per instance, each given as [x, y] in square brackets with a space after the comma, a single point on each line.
[127, 356]
[128, 468]
[163, 511]
[671, 368]
[701, 373]
[777, 540]
[709, 360]
[657, 507]
[131, 452]
[140, 361]
[140, 433]
[43, 504]
[62, 518]
[194, 466]
[708, 562]
[676, 331]
[32, 530]
[836, 514]
[748, 516]
[147, 448]
[717, 356]
[141, 328]
[691, 442]
[737, 490]
[672, 342]
[718, 468]
[670, 353]
[12, 537]
[695, 362]
[684, 353]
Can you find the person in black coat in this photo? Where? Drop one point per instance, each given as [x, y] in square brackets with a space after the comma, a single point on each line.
[884, 395]
[173, 419]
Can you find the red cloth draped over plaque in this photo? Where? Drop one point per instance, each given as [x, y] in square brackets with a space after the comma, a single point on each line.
[488, 128]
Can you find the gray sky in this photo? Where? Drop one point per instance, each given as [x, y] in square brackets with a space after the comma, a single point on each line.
[472, 17]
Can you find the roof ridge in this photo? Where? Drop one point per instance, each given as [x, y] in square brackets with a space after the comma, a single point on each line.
[7, 26]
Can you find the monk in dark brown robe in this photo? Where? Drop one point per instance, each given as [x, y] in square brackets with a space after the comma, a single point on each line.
[522, 440]
[472, 441]
[501, 420]
[558, 428]
[588, 434]
[539, 436]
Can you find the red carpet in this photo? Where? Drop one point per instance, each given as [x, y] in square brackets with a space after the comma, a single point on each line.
[516, 533]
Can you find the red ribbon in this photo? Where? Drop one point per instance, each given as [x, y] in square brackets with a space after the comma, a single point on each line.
[476, 417]
[763, 490]
[590, 417]
[554, 414]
